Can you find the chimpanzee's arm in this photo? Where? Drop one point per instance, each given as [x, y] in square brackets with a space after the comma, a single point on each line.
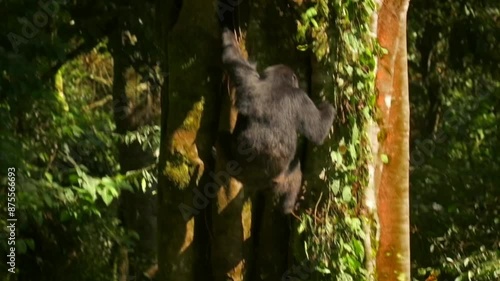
[243, 74]
[313, 122]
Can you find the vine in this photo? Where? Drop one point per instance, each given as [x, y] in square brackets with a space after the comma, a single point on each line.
[339, 35]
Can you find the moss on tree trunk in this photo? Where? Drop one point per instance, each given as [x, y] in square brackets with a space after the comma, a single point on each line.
[189, 125]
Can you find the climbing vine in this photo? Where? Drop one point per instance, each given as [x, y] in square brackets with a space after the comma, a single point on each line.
[339, 35]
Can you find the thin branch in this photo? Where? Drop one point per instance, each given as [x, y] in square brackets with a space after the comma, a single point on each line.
[99, 103]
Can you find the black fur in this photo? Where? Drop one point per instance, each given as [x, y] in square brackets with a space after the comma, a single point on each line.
[272, 109]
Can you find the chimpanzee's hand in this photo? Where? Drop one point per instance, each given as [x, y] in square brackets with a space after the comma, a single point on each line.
[228, 38]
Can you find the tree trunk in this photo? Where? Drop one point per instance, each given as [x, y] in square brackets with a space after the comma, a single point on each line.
[189, 126]
[392, 177]
[137, 209]
[232, 210]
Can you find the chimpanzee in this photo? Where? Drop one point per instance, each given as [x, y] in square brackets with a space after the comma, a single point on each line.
[272, 109]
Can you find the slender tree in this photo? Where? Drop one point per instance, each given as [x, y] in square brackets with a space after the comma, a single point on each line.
[392, 172]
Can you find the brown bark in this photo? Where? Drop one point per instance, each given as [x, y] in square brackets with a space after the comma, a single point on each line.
[232, 211]
[189, 123]
[392, 178]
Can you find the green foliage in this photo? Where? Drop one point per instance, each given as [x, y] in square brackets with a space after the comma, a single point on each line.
[338, 33]
[146, 136]
[483, 265]
[62, 143]
[454, 92]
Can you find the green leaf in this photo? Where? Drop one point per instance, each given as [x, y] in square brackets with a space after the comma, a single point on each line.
[335, 187]
[352, 152]
[73, 178]
[384, 158]
[311, 12]
[126, 186]
[359, 249]
[323, 270]
[48, 176]
[107, 198]
[314, 23]
[69, 195]
[303, 47]
[349, 70]
[302, 227]
[323, 7]
[107, 181]
[355, 133]
[114, 191]
[48, 200]
[346, 194]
